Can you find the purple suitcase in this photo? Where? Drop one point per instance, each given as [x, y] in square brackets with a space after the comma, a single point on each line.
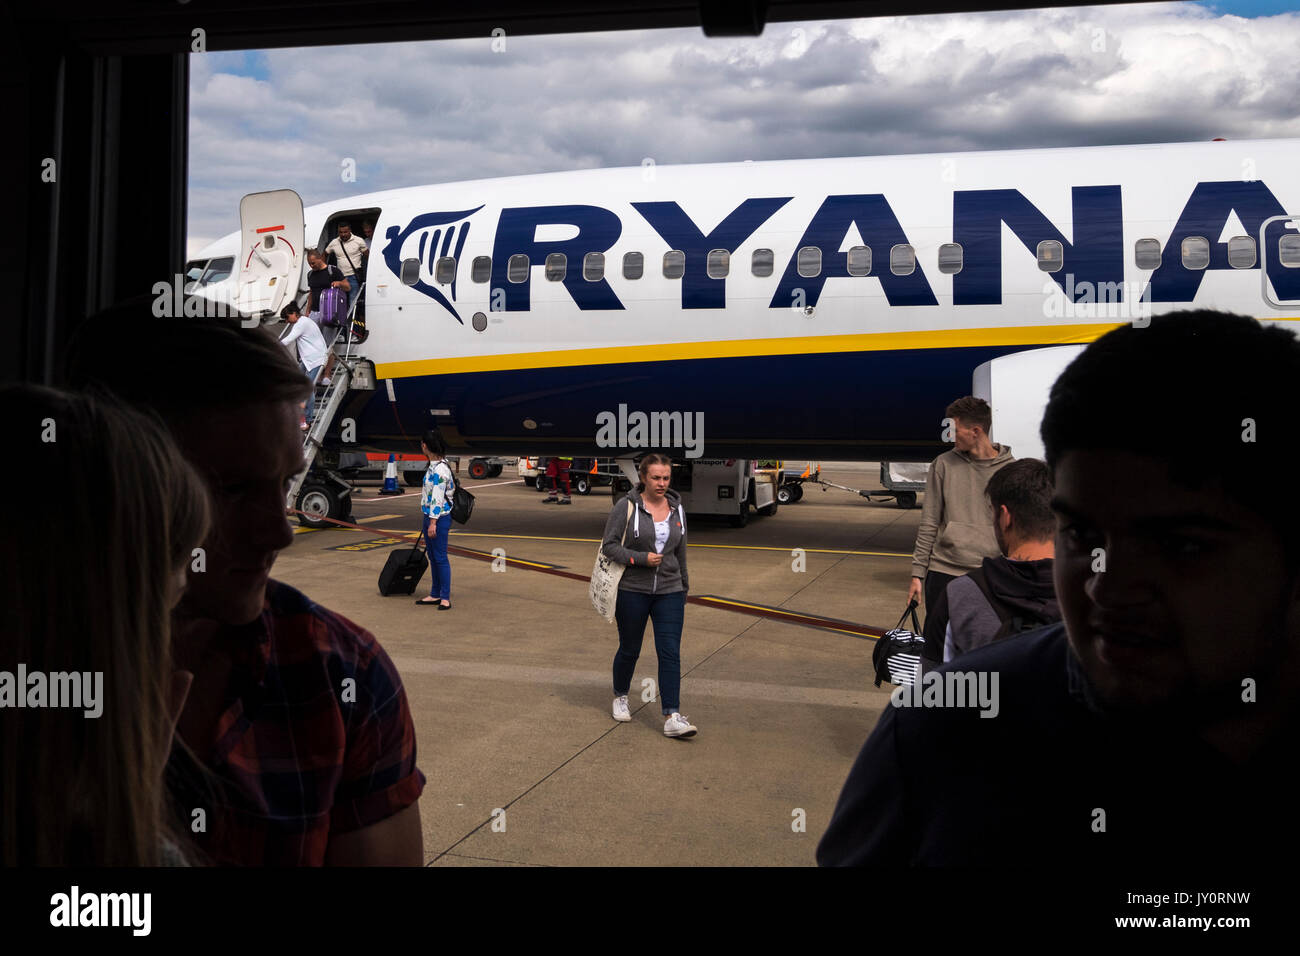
[332, 309]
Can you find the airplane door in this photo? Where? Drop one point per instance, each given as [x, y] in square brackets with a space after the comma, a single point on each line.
[1279, 243]
[271, 232]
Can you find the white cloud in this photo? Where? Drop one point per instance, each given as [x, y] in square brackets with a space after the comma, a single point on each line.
[417, 113]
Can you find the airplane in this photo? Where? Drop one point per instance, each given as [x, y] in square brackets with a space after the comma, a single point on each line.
[803, 309]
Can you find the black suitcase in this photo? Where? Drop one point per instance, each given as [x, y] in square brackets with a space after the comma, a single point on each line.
[403, 570]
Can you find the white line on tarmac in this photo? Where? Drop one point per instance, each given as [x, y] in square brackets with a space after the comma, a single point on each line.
[691, 686]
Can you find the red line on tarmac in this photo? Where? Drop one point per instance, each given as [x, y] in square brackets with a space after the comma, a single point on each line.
[815, 621]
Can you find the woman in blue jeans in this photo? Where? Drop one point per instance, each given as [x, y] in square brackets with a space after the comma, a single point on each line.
[646, 531]
[435, 503]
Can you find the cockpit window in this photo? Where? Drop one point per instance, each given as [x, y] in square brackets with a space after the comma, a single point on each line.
[218, 270]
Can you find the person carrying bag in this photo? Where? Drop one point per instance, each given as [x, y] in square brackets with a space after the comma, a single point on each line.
[436, 502]
[645, 535]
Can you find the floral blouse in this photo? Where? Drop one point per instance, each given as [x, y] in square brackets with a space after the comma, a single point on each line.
[435, 501]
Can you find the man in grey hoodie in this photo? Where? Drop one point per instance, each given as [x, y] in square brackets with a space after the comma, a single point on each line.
[956, 532]
[646, 532]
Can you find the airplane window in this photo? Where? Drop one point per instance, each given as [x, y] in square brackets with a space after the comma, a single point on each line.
[1051, 256]
[593, 266]
[194, 270]
[809, 261]
[1288, 251]
[860, 261]
[1241, 252]
[674, 264]
[517, 268]
[444, 271]
[481, 269]
[479, 321]
[1196, 252]
[719, 264]
[902, 260]
[557, 264]
[951, 258]
[218, 270]
[762, 263]
[633, 265]
[410, 273]
[1146, 253]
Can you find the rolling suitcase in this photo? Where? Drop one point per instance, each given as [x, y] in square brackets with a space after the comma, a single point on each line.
[403, 570]
[332, 308]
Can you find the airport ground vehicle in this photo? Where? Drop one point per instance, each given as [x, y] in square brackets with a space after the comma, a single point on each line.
[488, 467]
[371, 465]
[528, 469]
[584, 473]
[900, 480]
[718, 486]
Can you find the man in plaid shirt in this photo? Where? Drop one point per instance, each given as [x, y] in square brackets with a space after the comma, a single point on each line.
[299, 748]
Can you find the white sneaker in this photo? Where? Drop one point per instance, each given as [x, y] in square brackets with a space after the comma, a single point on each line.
[620, 708]
[679, 726]
[326, 381]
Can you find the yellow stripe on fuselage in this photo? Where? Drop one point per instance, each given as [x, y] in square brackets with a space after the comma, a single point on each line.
[1041, 335]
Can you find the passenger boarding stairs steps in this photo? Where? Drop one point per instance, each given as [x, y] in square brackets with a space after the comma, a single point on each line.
[326, 399]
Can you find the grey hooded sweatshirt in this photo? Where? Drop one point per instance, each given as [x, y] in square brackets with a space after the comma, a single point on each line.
[639, 576]
[956, 532]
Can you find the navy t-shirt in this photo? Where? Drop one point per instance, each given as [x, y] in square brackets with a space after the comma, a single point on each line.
[319, 280]
[1053, 780]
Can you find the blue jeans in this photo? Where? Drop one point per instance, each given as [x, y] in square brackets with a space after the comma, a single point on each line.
[311, 402]
[436, 551]
[667, 612]
[355, 289]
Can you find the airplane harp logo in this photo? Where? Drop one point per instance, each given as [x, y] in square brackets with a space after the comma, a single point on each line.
[427, 238]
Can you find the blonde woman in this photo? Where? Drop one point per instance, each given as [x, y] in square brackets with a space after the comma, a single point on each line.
[87, 586]
[651, 542]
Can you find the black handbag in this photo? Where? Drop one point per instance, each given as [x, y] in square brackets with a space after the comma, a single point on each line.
[897, 656]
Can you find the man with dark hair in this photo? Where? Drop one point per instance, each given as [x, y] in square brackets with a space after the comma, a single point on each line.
[1157, 722]
[1012, 592]
[296, 714]
[956, 531]
[312, 351]
[349, 253]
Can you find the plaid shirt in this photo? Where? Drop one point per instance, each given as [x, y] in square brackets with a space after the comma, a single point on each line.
[299, 753]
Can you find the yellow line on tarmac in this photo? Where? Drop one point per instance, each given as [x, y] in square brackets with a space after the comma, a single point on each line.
[732, 547]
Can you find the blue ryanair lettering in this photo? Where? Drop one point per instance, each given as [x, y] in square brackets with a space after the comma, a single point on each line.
[879, 228]
[598, 229]
[1206, 214]
[699, 291]
[1095, 256]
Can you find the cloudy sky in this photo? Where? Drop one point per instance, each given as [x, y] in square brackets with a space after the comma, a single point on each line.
[416, 113]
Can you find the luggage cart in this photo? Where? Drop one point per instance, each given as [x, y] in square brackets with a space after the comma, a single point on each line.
[900, 480]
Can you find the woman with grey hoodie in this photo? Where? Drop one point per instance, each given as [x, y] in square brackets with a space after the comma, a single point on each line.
[646, 531]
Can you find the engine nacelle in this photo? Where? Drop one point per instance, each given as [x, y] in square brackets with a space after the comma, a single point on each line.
[1016, 387]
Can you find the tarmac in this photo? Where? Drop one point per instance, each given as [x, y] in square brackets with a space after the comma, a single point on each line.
[510, 690]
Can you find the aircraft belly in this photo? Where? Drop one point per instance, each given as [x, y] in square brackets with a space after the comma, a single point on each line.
[848, 406]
